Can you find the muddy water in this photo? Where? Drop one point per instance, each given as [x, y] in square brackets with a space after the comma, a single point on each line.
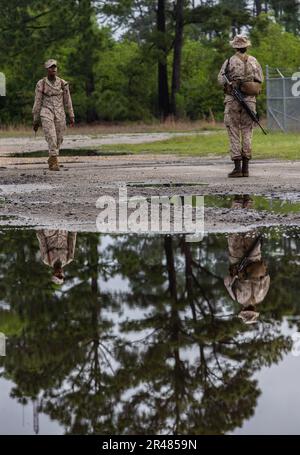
[149, 334]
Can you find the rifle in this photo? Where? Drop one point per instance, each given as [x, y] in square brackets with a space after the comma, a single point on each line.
[237, 94]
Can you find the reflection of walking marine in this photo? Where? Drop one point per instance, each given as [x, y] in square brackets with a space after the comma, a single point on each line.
[57, 250]
[248, 281]
[243, 73]
[52, 98]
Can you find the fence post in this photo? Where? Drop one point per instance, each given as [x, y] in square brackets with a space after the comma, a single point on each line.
[2, 344]
[268, 94]
[284, 104]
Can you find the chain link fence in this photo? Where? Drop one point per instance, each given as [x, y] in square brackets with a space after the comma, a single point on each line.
[283, 99]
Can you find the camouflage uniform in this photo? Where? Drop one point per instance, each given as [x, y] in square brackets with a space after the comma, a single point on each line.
[248, 289]
[247, 285]
[51, 101]
[56, 245]
[241, 67]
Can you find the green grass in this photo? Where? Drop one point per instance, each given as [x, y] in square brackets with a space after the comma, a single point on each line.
[274, 145]
[215, 143]
[96, 130]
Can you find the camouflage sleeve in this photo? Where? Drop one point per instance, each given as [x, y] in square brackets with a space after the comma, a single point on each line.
[37, 102]
[221, 80]
[68, 100]
[43, 246]
[258, 73]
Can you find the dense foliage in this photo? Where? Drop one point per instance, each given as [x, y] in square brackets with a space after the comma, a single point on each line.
[137, 59]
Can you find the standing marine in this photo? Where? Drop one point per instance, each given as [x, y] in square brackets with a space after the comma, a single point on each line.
[248, 281]
[52, 99]
[244, 73]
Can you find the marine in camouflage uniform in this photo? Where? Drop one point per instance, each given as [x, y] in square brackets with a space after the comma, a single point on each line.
[57, 250]
[52, 98]
[250, 285]
[240, 68]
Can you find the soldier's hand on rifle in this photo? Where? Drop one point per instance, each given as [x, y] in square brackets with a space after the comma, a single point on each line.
[228, 87]
[72, 122]
[233, 269]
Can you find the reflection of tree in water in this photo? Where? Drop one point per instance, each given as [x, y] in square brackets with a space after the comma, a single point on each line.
[60, 352]
[191, 368]
[284, 269]
[211, 390]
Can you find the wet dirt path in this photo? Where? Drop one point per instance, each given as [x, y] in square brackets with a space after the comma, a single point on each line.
[32, 195]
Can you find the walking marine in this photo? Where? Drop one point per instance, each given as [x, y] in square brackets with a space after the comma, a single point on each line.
[52, 99]
[240, 74]
[57, 248]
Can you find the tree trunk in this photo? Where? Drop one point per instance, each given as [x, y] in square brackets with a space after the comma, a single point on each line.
[87, 51]
[266, 7]
[163, 88]
[233, 28]
[258, 7]
[168, 244]
[176, 76]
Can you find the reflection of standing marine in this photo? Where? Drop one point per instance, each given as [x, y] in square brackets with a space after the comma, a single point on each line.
[248, 281]
[245, 73]
[57, 250]
[52, 98]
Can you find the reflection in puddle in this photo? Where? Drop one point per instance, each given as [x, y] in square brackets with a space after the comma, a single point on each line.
[139, 334]
[57, 250]
[70, 152]
[272, 203]
[248, 281]
[285, 204]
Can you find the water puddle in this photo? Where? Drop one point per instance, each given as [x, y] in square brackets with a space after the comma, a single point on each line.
[286, 203]
[102, 332]
[69, 152]
[24, 188]
[159, 184]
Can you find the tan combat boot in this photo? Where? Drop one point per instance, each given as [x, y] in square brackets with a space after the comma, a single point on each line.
[248, 202]
[245, 167]
[237, 202]
[53, 163]
[237, 171]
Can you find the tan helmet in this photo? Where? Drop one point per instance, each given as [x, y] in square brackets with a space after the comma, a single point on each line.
[240, 42]
[50, 63]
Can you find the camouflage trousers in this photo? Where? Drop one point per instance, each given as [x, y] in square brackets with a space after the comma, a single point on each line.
[240, 128]
[54, 128]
